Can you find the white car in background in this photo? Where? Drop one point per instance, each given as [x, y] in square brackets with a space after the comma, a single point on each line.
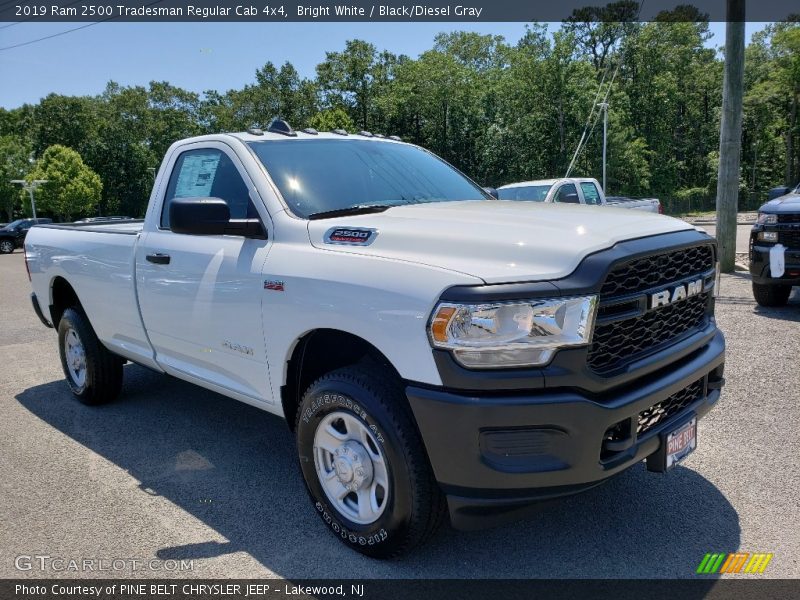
[573, 190]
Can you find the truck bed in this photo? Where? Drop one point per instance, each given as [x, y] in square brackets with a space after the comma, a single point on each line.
[101, 269]
[130, 227]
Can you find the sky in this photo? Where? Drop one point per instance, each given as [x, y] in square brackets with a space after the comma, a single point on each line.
[202, 56]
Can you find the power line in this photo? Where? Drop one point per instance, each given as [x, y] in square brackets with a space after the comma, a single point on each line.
[588, 120]
[48, 37]
[584, 137]
[60, 33]
[32, 18]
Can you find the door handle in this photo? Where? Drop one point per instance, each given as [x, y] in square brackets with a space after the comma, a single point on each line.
[158, 258]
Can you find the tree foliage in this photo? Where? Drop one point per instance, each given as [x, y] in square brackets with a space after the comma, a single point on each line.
[14, 155]
[497, 111]
[71, 187]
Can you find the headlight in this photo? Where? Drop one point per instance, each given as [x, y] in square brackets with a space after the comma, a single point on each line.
[768, 236]
[765, 219]
[512, 334]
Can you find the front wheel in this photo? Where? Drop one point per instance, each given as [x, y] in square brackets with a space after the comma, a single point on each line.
[93, 373]
[771, 294]
[364, 463]
[6, 246]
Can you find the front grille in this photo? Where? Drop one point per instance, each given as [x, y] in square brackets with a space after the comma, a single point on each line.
[616, 343]
[790, 239]
[791, 218]
[652, 271]
[669, 407]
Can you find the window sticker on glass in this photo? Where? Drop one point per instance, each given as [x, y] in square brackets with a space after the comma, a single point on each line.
[590, 193]
[197, 175]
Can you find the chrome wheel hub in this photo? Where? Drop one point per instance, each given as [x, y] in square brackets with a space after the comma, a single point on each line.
[75, 358]
[351, 467]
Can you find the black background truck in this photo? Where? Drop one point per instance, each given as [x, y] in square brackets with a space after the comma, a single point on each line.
[778, 223]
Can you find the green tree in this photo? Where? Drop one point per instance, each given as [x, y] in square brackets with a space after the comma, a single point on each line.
[276, 93]
[353, 78]
[333, 118]
[72, 188]
[14, 154]
[64, 120]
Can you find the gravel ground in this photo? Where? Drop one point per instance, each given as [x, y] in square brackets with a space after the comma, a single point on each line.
[171, 471]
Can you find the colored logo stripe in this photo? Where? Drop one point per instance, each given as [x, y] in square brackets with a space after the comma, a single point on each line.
[734, 562]
[710, 563]
[758, 563]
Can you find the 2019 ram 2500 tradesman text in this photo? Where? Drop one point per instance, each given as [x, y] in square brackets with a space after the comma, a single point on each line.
[430, 346]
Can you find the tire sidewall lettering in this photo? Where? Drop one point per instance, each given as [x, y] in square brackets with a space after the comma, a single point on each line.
[335, 399]
[350, 536]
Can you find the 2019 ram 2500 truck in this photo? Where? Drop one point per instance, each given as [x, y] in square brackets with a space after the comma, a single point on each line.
[430, 346]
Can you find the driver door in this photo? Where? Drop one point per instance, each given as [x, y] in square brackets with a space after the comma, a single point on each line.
[201, 295]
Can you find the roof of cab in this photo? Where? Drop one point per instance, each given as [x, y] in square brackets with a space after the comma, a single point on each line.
[544, 182]
[246, 136]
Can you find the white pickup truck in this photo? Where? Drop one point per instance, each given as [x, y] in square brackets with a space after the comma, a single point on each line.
[431, 347]
[574, 190]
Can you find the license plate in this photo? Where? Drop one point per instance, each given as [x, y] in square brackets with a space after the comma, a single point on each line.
[681, 442]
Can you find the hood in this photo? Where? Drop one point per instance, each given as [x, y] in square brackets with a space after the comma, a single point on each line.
[497, 241]
[790, 203]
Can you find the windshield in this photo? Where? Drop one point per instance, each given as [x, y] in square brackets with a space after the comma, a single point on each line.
[319, 176]
[15, 223]
[536, 193]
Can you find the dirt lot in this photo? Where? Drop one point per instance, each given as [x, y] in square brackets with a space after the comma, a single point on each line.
[171, 471]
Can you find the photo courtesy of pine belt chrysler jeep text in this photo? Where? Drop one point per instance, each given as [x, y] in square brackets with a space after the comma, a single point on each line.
[433, 349]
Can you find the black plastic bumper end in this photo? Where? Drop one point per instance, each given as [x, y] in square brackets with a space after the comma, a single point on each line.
[38, 310]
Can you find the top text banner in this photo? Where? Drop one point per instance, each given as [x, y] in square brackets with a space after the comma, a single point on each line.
[367, 10]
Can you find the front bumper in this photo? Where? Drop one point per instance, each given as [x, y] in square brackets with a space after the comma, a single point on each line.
[495, 454]
[759, 265]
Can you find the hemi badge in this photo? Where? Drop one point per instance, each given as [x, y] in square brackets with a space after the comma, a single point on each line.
[275, 286]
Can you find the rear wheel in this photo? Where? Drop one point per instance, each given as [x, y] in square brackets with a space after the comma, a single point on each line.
[6, 246]
[771, 294]
[364, 463]
[93, 373]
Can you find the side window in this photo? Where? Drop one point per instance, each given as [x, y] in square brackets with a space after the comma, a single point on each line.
[208, 173]
[567, 193]
[590, 192]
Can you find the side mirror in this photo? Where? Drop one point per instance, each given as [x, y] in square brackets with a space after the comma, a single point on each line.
[210, 216]
[492, 192]
[778, 192]
[570, 198]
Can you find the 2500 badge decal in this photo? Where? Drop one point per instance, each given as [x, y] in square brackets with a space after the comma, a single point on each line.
[354, 236]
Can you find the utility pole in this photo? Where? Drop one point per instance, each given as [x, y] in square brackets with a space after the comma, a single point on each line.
[730, 135]
[604, 107]
[30, 187]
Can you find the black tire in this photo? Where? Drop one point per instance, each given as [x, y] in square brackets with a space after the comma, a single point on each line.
[6, 246]
[415, 506]
[771, 294]
[102, 370]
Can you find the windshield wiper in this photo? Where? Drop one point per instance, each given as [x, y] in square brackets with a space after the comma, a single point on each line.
[358, 209]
